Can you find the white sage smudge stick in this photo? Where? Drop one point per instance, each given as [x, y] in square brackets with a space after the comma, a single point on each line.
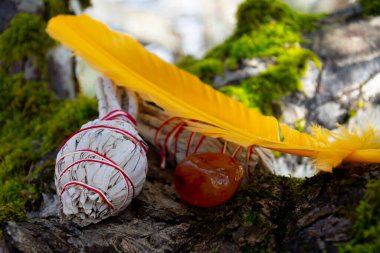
[101, 167]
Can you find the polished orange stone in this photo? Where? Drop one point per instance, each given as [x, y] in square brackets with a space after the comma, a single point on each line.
[207, 179]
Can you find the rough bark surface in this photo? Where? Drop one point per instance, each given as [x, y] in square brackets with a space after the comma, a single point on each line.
[273, 213]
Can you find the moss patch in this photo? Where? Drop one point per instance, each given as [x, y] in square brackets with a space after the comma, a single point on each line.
[24, 38]
[32, 125]
[207, 69]
[366, 229]
[266, 29]
[370, 7]
[33, 121]
[55, 7]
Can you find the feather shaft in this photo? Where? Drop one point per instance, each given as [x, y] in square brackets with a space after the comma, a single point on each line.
[205, 110]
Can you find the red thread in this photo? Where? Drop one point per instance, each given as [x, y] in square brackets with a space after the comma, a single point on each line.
[109, 115]
[81, 151]
[250, 150]
[224, 147]
[176, 138]
[249, 153]
[141, 144]
[160, 129]
[156, 143]
[171, 132]
[199, 144]
[166, 141]
[128, 120]
[189, 143]
[101, 194]
[236, 151]
[126, 177]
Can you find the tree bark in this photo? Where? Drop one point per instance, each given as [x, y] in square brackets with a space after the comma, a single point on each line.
[273, 213]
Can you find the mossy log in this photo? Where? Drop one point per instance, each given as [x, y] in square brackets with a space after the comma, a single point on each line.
[270, 214]
[273, 214]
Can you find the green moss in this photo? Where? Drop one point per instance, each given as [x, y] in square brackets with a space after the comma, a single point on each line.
[278, 80]
[207, 68]
[237, 93]
[85, 3]
[266, 29]
[252, 14]
[33, 121]
[70, 116]
[32, 124]
[300, 125]
[55, 7]
[366, 229]
[370, 7]
[352, 113]
[232, 63]
[25, 38]
[14, 194]
[250, 217]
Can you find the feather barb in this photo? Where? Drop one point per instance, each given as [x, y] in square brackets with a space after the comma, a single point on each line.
[128, 64]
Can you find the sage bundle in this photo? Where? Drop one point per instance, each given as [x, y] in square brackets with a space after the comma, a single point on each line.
[102, 167]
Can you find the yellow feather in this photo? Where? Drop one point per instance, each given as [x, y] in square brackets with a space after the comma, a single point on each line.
[128, 64]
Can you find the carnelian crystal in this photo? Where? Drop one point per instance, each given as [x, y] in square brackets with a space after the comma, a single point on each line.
[207, 179]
